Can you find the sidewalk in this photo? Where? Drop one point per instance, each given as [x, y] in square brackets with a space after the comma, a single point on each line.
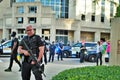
[51, 69]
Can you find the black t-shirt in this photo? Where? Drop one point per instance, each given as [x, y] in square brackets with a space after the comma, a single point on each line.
[15, 40]
[33, 43]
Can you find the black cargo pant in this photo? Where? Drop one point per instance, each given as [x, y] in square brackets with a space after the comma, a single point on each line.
[26, 72]
[60, 54]
[14, 57]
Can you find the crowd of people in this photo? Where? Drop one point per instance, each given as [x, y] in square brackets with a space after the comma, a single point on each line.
[39, 48]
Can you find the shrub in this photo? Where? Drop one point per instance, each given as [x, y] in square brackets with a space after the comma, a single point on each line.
[90, 73]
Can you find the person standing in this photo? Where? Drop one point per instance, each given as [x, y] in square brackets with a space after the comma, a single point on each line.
[103, 44]
[99, 54]
[45, 51]
[36, 45]
[82, 53]
[14, 53]
[108, 48]
[60, 53]
[52, 51]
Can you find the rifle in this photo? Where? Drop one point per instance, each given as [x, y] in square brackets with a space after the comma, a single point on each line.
[37, 68]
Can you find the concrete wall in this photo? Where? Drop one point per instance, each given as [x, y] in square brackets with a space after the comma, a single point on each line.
[115, 42]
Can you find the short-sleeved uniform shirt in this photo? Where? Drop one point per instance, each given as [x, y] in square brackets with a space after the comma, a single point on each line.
[33, 43]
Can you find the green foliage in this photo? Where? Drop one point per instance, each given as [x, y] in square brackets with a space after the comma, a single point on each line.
[118, 12]
[90, 73]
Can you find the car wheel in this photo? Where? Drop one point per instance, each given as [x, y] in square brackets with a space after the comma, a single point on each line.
[66, 54]
[92, 58]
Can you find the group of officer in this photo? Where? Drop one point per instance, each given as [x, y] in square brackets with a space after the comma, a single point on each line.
[35, 44]
[56, 48]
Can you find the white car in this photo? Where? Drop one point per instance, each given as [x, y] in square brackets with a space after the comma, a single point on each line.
[5, 47]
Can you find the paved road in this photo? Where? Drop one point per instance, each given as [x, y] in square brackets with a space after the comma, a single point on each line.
[51, 69]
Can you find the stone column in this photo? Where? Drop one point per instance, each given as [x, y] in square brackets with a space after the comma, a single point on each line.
[52, 34]
[77, 36]
[115, 42]
[77, 32]
[97, 36]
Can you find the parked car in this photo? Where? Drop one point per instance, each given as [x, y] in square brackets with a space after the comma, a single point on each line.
[91, 54]
[67, 51]
[75, 52]
[5, 47]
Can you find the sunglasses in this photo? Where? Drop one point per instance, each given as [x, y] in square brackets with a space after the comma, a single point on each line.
[29, 30]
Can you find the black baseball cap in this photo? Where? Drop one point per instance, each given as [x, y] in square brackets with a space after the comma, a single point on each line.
[13, 34]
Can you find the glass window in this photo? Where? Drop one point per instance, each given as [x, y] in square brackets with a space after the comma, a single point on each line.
[66, 15]
[59, 6]
[111, 9]
[102, 18]
[63, 2]
[63, 38]
[63, 9]
[93, 18]
[62, 15]
[32, 20]
[20, 19]
[82, 17]
[20, 9]
[66, 9]
[62, 32]
[32, 9]
[24, 0]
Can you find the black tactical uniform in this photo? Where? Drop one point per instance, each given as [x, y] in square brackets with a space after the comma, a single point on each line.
[45, 52]
[33, 42]
[14, 52]
[82, 53]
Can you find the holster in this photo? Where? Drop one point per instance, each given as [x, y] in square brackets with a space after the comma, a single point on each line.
[38, 69]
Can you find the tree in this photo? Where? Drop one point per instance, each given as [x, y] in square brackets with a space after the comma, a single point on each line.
[118, 12]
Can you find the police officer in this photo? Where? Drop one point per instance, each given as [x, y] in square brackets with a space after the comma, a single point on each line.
[60, 54]
[52, 51]
[45, 51]
[36, 45]
[82, 53]
[13, 56]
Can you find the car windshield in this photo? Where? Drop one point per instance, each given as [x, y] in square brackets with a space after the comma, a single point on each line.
[8, 44]
[90, 44]
[77, 45]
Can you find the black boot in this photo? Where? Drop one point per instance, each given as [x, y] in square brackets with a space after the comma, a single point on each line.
[8, 70]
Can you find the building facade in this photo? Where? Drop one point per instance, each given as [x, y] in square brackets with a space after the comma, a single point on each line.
[67, 20]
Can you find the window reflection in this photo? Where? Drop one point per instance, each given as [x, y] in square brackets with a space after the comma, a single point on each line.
[20, 9]
[32, 9]
[32, 20]
[25, 0]
[20, 20]
[59, 6]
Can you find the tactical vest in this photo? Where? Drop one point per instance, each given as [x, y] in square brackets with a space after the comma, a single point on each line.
[32, 44]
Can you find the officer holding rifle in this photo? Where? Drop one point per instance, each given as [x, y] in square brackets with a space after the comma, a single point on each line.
[36, 46]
